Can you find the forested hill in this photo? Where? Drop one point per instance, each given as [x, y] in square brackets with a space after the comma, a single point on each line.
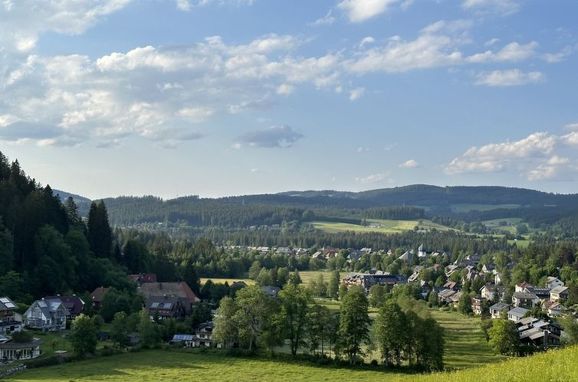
[409, 202]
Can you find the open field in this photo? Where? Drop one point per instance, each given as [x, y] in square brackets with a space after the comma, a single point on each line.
[176, 366]
[379, 226]
[465, 343]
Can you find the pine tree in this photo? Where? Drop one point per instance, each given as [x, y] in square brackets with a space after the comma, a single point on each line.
[99, 231]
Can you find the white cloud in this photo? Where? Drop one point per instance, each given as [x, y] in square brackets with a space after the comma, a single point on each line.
[361, 10]
[511, 77]
[512, 52]
[149, 89]
[572, 126]
[412, 163]
[537, 156]
[356, 94]
[328, 19]
[24, 20]
[503, 7]
[437, 45]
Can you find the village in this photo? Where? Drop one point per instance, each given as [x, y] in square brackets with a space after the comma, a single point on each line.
[465, 286]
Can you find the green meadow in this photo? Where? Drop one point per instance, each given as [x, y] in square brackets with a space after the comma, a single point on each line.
[165, 366]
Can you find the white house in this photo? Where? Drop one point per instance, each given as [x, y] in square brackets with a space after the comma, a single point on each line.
[559, 293]
[497, 309]
[553, 282]
[47, 315]
[517, 314]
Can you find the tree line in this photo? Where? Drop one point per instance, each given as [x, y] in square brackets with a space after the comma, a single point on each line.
[253, 319]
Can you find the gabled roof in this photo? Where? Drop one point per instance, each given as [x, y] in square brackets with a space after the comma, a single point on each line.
[518, 312]
[178, 289]
[559, 289]
[7, 304]
[500, 306]
[98, 294]
[73, 304]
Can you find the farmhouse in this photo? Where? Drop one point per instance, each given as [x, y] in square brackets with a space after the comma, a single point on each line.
[553, 282]
[179, 290]
[525, 299]
[165, 307]
[539, 333]
[97, 296]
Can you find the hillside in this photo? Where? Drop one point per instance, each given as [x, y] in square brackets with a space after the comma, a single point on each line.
[468, 204]
[558, 365]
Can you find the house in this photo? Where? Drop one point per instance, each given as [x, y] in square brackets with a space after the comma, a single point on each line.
[455, 299]
[559, 294]
[18, 351]
[407, 257]
[489, 292]
[8, 318]
[174, 289]
[444, 296]
[522, 286]
[421, 252]
[47, 315]
[488, 268]
[97, 296]
[539, 333]
[543, 294]
[165, 307]
[516, 314]
[204, 335]
[525, 299]
[553, 282]
[498, 309]
[477, 307]
[554, 309]
[73, 304]
[367, 280]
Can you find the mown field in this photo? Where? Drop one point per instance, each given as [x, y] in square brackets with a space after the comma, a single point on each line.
[465, 344]
[379, 226]
[176, 366]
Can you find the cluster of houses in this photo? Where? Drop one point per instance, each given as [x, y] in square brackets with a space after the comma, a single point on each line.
[163, 300]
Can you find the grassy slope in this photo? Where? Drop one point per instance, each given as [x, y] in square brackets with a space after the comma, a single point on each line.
[465, 342]
[173, 366]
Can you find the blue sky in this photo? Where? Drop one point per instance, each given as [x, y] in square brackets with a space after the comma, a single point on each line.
[229, 97]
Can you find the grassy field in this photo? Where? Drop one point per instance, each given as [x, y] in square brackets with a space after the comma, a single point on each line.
[465, 342]
[175, 366]
[379, 226]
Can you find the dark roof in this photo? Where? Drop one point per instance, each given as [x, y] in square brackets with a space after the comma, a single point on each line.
[73, 304]
[98, 294]
[20, 345]
[179, 289]
[142, 278]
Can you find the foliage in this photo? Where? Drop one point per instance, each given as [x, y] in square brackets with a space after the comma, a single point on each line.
[354, 324]
[504, 337]
[294, 302]
[83, 335]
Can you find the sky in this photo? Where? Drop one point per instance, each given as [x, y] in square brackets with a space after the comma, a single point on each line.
[227, 97]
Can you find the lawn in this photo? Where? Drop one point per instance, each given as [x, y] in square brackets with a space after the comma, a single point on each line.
[176, 366]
